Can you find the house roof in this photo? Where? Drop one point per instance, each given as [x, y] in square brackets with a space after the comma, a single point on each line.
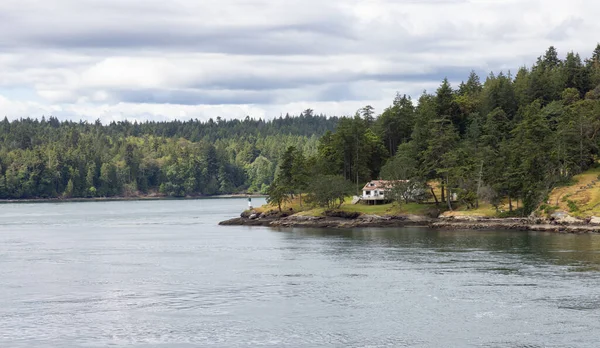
[380, 184]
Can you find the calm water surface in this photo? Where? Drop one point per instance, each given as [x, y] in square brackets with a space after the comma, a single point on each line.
[163, 274]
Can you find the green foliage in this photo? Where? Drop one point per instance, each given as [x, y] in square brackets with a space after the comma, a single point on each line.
[405, 191]
[403, 166]
[38, 159]
[69, 190]
[395, 123]
[573, 208]
[329, 191]
[278, 195]
[354, 151]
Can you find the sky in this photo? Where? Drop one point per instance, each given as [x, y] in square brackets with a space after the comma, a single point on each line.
[199, 59]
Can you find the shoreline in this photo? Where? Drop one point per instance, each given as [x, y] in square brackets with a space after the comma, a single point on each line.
[123, 198]
[463, 223]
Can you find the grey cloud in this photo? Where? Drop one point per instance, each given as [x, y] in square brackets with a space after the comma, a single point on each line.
[264, 82]
[338, 93]
[269, 52]
[121, 28]
[190, 97]
[86, 25]
[565, 29]
[246, 40]
[270, 89]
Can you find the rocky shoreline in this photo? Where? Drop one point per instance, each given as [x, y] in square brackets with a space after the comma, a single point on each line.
[454, 223]
[330, 222]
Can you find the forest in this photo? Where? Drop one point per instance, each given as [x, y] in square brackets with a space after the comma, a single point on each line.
[502, 137]
[48, 158]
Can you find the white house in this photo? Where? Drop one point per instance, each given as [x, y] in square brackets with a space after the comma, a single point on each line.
[374, 191]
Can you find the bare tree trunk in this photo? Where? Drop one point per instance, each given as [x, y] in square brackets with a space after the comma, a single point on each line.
[434, 196]
[448, 194]
[510, 207]
[443, 190]
[479, 184]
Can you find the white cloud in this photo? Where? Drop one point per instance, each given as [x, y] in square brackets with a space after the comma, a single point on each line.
[197, 59]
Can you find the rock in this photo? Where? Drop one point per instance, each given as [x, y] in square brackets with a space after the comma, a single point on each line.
[466, 218]
[341, 214]
[372, 218]
[559, 215]
[246, 214]
[253, 217]
[245, 222]
[304, 218]
[563, 218]
[594, 220]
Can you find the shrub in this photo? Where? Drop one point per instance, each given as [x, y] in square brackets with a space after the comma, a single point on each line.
[572, 206]
[515, 213]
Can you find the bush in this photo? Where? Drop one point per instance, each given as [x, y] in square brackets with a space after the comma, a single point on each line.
[515, 213]
[572, 206]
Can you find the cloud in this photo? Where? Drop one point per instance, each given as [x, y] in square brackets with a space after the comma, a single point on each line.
[152, 59]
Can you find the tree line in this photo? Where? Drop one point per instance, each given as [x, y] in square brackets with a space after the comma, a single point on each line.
[48, 158]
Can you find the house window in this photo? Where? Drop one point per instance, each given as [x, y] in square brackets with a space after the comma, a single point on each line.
[367, 193]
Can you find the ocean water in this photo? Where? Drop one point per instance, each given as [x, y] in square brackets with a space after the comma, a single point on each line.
[164, 274]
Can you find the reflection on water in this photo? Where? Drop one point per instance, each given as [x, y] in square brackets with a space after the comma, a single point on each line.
[561, 249]
[163, 274]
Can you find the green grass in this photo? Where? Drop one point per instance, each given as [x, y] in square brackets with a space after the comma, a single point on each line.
[313, 212]
[381, 209]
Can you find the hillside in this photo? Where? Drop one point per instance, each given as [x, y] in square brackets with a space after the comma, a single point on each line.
[581, 197]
